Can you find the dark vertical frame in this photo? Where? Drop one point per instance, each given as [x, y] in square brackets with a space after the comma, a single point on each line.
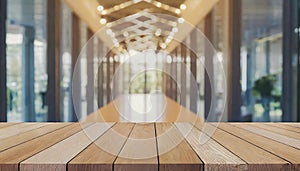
[208, 76]
[53, 59]
[90, 73]
[100, 54]
[28, 75]
[194, 95]
[287, 103]
[183, 75]
[75, 54]
[3, 95]
[174, 72]
[298, 68]
[108, 93]
[234, 69]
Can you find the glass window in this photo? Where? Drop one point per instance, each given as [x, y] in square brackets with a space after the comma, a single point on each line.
[261, 60]
[26, 60]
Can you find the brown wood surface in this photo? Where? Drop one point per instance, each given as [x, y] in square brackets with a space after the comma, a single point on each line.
[213, 154]
[138, 154]
[182, 157]
[102, 154]
[233, 146]
[256, 158]
[49, 159]
[5, 124]
[271, 135]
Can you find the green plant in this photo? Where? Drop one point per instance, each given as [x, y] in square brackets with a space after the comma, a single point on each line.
[265, 86]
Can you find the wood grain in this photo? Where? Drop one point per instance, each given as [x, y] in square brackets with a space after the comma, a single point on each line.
[48, 159]
[284, 126]
[281, 150]
[213, 154]
[233, 146]
[278, 130]
[10, 158]
[294, 124]
[29, 135]
[19, 128]
[7, 124]
[102, 154]
[174, 156]
[139, 151]
[255, 157]
[274, 136]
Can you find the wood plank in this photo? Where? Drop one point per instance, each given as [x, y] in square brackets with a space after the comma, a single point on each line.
[277, 130]
[258, 159]
[213, 154]
[167, 136]
[26, 136]
[284, 126]
[19, 128]
[274, 136]
[142, 139]
[10, 158]
[96, 158]
[7, 124]
[69, 148]
[293, 124]
[284, 151]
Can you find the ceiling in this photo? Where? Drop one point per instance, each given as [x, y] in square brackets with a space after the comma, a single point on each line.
[141, 24]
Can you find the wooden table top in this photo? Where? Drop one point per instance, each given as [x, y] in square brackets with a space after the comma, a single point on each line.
[65, 146]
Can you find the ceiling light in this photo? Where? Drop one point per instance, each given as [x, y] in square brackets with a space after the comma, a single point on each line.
[109, 31]
[158, 32]
[103, 21]
[136, 1]
[122, 6]
[100, 8]
[104, 12]
[180, 20]
[108, 25]
[158, 4]
[168, 40]
[125, 34]
[117, 7]
[163, 45]
[182, 6]
[177, 11]
[175, 29]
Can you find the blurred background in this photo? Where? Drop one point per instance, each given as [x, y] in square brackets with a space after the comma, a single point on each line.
[256, 41]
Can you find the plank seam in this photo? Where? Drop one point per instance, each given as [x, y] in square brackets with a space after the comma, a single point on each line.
[292, 126]
[254, 125]
[157, 153]
[268, 137]
[35, 137]
[273, 125]
[113, 163]
[67, 164]
[202, 168]
[19, 164]
[22, 132]
[223, 146]
[13, 123]
[256, 145]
